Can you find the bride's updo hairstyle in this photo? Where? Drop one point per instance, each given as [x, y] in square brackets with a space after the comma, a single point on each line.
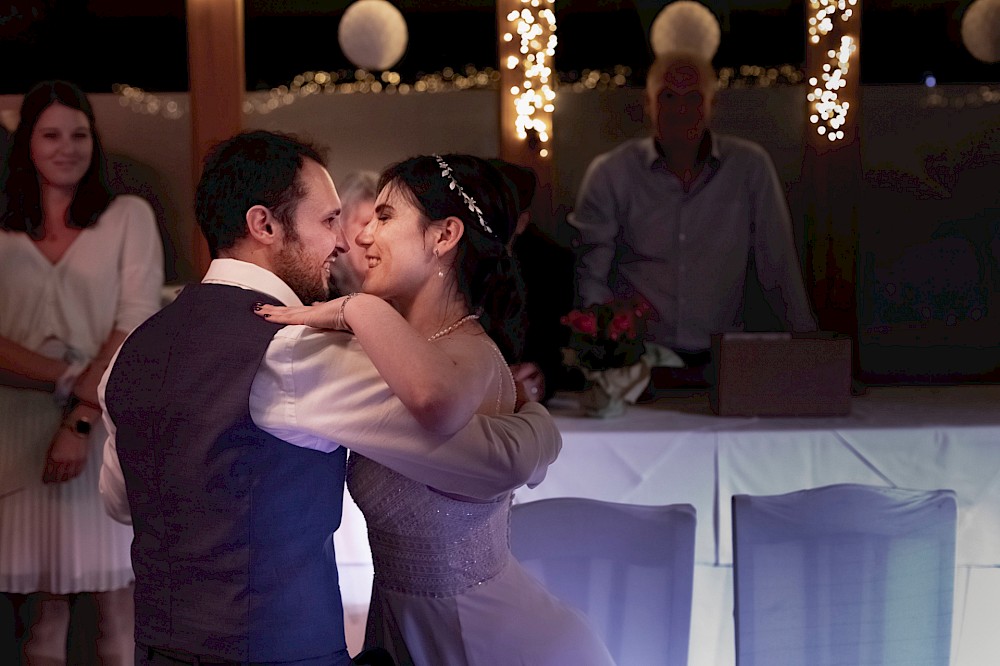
[476, 192]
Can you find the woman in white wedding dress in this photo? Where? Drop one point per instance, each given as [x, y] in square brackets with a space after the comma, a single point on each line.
[441, 319]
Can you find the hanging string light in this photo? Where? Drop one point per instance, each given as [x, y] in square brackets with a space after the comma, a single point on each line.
[832, 27]
[529, 47]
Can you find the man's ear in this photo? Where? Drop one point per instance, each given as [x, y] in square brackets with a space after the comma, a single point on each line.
[261, 224]
[447, 233]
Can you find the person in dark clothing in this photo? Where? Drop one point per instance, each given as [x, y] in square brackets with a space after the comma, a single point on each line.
[547, 269]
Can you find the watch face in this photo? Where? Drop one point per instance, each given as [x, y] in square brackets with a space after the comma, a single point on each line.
[82, 426]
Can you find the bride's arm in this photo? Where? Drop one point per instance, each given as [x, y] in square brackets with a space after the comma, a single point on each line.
[442, 383]
[318, 389]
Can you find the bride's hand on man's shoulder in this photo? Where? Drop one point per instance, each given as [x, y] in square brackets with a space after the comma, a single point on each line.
[328, 314]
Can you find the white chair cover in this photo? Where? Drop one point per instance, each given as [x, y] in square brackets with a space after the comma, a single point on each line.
[629, 568]
[846, 574]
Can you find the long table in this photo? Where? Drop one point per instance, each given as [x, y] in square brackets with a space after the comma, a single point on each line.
[675, 450]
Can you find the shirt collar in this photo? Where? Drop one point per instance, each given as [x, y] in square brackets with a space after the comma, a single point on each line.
[245, 275]
[652, 153]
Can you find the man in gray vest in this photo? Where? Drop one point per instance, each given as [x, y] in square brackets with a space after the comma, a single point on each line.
[233, 549]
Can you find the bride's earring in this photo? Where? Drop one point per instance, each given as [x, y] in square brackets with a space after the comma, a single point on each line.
[440, 268]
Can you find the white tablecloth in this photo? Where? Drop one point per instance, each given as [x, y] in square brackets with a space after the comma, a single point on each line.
[677, 451]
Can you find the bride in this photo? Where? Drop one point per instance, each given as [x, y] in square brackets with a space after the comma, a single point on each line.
[441, 318]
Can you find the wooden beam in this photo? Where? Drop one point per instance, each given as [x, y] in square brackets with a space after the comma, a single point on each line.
[216, 70]
[528, 152]
[832, 168]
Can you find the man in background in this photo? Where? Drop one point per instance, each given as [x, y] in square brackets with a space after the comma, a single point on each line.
[686, 218]
[357, 200]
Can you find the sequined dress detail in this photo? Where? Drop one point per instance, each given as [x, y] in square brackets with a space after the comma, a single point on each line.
[447, 591]
[425, 543]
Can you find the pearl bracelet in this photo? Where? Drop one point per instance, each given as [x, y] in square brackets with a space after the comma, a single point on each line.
[341, 322]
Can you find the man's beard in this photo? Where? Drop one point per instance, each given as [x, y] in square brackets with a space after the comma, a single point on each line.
[292, 266]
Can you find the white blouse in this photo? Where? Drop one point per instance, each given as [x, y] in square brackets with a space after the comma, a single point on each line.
[109, 279]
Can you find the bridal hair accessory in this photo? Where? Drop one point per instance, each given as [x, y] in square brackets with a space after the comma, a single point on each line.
[469, 201]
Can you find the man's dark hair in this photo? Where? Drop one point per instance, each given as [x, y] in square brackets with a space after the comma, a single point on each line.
[252, 168]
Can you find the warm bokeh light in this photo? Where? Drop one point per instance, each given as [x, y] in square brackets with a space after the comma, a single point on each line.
[827, 104]
[532, 56]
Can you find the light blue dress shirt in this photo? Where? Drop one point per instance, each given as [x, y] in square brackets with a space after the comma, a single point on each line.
[687, 251]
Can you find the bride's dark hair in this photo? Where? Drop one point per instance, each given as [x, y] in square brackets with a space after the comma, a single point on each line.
[487, 273]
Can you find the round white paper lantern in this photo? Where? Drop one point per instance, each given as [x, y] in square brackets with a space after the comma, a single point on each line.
[687, 26]
[372, 34]
[981, 30]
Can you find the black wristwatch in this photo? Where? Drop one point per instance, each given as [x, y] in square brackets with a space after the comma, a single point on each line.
[80, 427]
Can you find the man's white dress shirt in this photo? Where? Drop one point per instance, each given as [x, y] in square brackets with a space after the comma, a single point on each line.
[687, 250]
[318, 389]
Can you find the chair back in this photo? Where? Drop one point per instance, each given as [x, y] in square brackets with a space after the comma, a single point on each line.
[628, 568]
[844, 574]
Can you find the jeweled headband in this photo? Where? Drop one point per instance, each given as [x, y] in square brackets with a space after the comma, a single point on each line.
[469, 201]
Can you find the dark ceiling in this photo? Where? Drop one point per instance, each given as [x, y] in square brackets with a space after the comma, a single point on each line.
[143, 42]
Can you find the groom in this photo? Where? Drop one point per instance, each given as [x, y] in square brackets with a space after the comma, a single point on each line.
[233, 549]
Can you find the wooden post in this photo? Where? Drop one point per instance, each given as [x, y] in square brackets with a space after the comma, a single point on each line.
[216, 67]
[531, 151]
[832, 167]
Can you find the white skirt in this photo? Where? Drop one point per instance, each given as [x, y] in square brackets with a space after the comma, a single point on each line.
[53, 537]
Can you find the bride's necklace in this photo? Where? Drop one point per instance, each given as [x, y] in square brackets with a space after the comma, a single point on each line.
[448, 329]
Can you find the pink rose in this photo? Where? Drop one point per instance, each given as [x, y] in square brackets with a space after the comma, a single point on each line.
[621, 324]
[583, 322]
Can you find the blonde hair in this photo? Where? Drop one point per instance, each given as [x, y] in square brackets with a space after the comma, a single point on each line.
[356, 187]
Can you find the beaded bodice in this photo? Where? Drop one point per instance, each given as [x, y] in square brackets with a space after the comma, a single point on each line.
[425, 543]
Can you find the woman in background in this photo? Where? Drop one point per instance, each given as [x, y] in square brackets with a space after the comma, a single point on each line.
[79, 269]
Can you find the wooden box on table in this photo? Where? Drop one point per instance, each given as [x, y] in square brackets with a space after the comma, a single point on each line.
[781, 374]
